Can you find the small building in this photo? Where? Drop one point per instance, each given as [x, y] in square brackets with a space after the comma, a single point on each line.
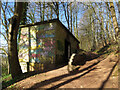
[44, 45]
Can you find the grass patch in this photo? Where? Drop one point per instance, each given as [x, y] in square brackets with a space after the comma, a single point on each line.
[8, 81]
[6, 77]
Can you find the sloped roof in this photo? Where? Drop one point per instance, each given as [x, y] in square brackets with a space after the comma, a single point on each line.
[51, 21]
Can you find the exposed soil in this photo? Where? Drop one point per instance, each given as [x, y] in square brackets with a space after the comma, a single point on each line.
[97, 73]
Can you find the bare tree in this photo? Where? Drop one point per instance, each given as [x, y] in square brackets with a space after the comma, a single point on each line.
[110, 5]
[15, 68]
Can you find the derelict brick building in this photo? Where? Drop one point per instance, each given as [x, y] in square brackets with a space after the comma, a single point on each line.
[44, 45]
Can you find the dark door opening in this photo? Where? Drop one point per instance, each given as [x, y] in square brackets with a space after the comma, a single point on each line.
[67, 51]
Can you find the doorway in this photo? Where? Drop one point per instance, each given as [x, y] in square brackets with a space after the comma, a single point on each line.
[67, 51]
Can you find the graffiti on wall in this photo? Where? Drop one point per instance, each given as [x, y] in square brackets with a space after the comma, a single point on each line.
[42, 43]
[24, 45]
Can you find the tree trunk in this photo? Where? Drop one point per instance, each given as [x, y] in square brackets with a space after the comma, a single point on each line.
[40, 4]
[43, 11]
[93, 34]
[111, 28]
[24, 15]
[71, 17]
[68, 16]
[57, 9]
[76, 26]
[102, 34]
[112, 10]
[51, 13]
[118, 33]
[102, 25]
[15, 68]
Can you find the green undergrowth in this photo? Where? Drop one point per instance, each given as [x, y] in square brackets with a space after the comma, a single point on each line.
[7, 77]
[4, 71]
[8, 81]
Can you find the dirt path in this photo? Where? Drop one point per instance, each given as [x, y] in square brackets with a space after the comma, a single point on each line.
[94, 74]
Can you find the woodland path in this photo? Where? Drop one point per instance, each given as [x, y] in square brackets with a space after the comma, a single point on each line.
[97, 73]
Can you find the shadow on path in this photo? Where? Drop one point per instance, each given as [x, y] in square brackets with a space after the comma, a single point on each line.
[27, 75]
[104, 82]
[49, 81]
[70, 80]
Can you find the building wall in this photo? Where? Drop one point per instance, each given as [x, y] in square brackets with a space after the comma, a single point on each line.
[61, 36]
[42, 46]
[23, 53]
[37, 46]
[24, 45]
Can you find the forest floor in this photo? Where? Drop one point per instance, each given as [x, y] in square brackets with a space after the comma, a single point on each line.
[100, 73]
